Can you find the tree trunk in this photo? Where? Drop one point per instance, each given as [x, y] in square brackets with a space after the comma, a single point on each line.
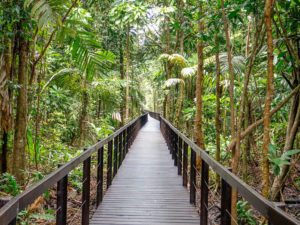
[232, 108]
[268, 100]
[19, 155]
[199, 137]
[180, 105]
[236, 157]
[122, 76]
[83, 114]
[231, 72]
[5, 101]
[127, 98]
[218, 107]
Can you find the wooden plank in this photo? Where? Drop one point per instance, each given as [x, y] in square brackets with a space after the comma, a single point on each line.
[147, 189]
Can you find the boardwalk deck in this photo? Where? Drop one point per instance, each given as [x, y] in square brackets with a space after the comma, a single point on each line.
[147, 189]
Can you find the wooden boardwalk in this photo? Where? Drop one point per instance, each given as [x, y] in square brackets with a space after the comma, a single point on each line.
[147, 189]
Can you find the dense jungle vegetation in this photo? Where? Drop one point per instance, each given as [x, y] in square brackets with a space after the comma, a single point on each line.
[224, 72]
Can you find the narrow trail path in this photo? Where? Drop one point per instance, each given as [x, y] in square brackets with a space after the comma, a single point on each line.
[147, 189]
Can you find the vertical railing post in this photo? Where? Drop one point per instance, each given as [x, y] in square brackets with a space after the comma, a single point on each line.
[120, 148]
[193, 177]
[175, 149]
[61, 201]
[126, 141]
[204, 193]
[86, 191]
[3, 201]
[185, 165]
[179, 153]
[169, 135]
[173, 144]
[225, 203]
[109, 163]
[124, 145]
[99, 176]
[115, 156]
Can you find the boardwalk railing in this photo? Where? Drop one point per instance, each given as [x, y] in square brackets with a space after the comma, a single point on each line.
[117, 146]
[179, 146]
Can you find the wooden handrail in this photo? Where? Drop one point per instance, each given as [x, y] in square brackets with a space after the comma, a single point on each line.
[268, 209]
[10, 210]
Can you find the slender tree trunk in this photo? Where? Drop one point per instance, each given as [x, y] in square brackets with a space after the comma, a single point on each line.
[236, 157]
[122, 76]
[180, 105]
[167, 102]
[232, 108]
[231, 72]
[127, 98]
[218, 106]
[37, 119]
[199, 137]
[268, 100]
[19, 155]
[83, 114]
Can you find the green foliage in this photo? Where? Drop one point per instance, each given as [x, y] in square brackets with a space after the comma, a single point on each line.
[277, 159]
[9, 185]
[245, 214]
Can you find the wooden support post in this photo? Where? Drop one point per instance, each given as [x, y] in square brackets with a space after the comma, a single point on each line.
[100, 177]
[109, 163]
[169, 139]
[175, 149]
[86, 191]
[3, 201]
[185, 165]
[120, 149]
[193, 177]
[124, 144]
[179, 153]
[61, 201]
[126, 141]
[225, 203]
[204, 193]
[173, 145]
[115, 156]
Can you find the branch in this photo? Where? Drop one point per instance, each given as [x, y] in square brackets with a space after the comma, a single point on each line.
[48, 43]
[250, 128]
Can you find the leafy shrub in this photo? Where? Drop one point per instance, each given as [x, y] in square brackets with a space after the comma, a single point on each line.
[9, 185]
[245, 215]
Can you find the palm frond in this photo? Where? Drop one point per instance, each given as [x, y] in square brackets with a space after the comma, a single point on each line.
[173, 82]
[177, 59]
[46, 11]
[62, 72]
[189, 71]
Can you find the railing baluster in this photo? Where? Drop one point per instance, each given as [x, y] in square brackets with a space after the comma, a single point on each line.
[100, 177]
[225, 203]
[86, 191]
[179, 153]
[193, 177]
[204, 193]
[61, 201]
[175, 149]
[124, 144]
[120, 149]
[115, 156]
[109, 163]
[185, 164]
[173, 144]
